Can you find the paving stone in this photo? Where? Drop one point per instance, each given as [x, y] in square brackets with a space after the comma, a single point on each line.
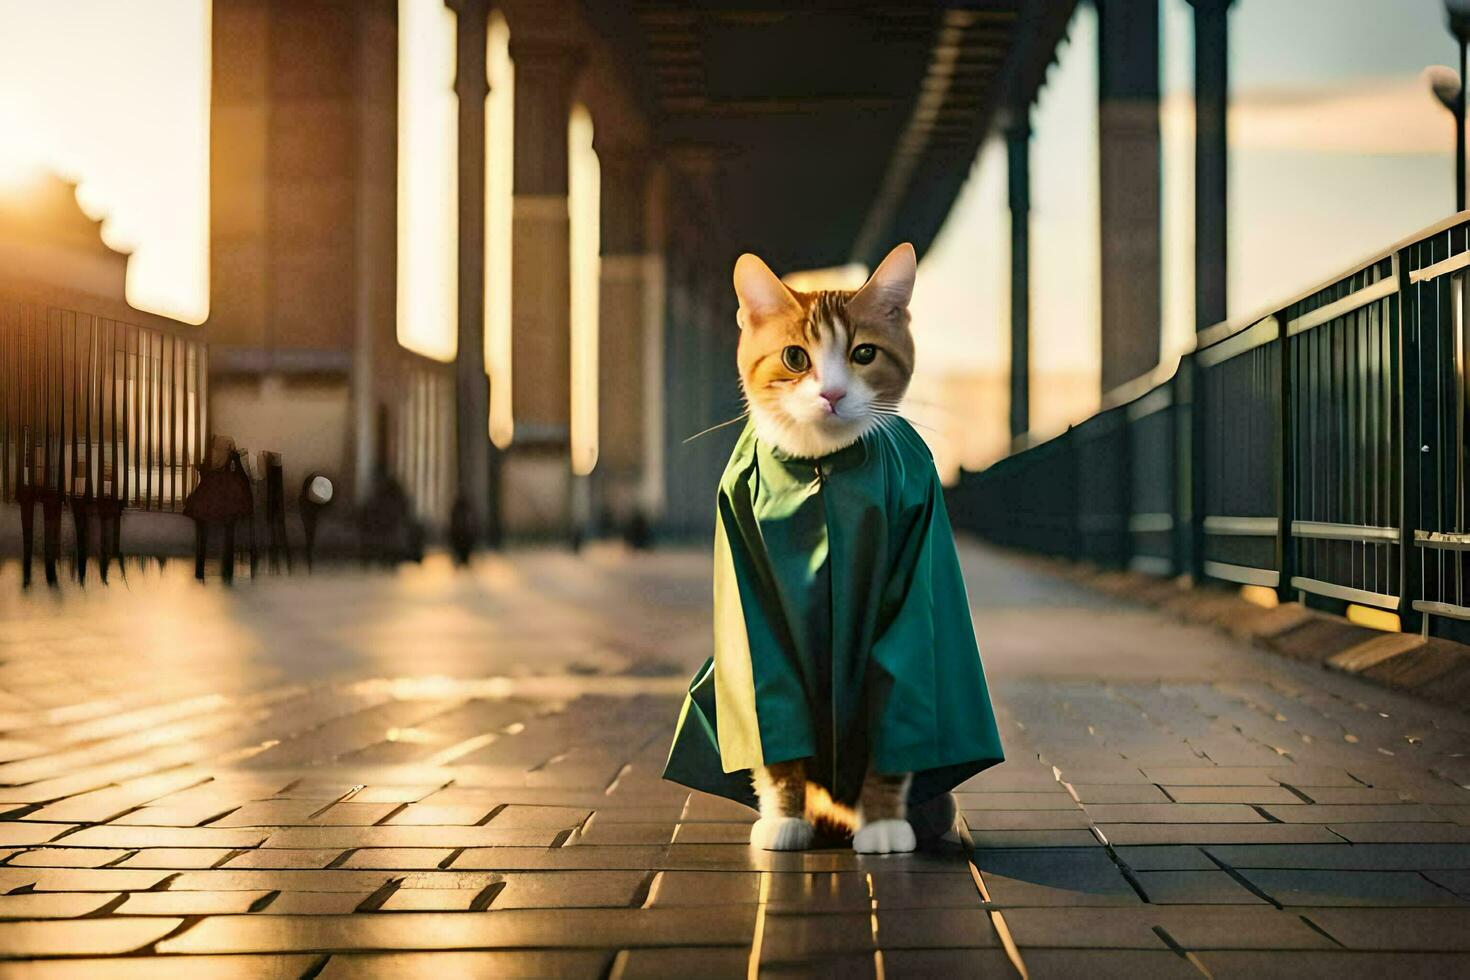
[991, 820]
[395, 794]
[1235, 794]
[1334, 964]
[570, 889]
[1058, 799]
[1361, 857]
[1332, 814]
[1034, 838]
[1123, 793]
[431, 815]
[932, 891]
[509, 964]
[527, 928]
[923, 964]
[1402, 833]
[354, 814]
[178, 858]
[337, 880]
[1211, 776]
[1195, 928]
[800, 937]
[270, 813]
[520, 817]
[707, 963]
[285, 857]
[144, 837]
[682, 888]
[83, 937]
[1418, 930]
[1194, 888]
[1191, 813]
[316, 903]
[1121, 964]
[1455, 881]
[596, 832]
[395, 858]
[1354, 795]
[163, 968]
[1123, 834]
[1165, 858]
[17, 834]
[705, 832]
[1063, 876]
[84, 879]
[933, 929]
[344, 837]
[52, 905]
[67, 857]
[431, 899]
[1329, 888]
[190, 903]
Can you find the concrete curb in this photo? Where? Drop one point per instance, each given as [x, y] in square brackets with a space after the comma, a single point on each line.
[1429, 667]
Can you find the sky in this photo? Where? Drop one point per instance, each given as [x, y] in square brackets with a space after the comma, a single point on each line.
[1337, 150]
[118, 103]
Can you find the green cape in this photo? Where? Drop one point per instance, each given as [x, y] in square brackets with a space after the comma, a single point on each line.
[842, 629]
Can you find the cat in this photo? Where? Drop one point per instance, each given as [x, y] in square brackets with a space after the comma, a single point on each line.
[819, 372]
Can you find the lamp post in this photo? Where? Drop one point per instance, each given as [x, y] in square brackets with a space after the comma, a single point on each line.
[1458, 12]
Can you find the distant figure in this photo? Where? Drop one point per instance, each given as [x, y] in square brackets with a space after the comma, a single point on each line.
[461, 531]
[221, 500]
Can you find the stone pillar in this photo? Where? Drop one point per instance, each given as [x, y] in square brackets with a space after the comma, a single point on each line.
[377, 196]
[537, 472]
[1018, 159]
[472, 392]
[1211, 101]
[622, 383]
[1130, 186]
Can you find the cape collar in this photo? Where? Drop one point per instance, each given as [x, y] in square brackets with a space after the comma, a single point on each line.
[848, 456]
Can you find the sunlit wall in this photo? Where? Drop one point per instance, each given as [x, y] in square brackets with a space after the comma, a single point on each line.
[115, 96]
[584, 202]
[499, 199]
[428, 151]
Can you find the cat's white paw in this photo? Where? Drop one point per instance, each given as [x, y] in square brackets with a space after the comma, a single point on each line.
[782, 834]
[884, 837]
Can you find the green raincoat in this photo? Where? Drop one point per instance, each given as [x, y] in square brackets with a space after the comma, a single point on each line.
[842, 629]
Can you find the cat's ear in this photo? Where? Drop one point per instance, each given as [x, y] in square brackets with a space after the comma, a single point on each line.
[890, 287]
[761, 294]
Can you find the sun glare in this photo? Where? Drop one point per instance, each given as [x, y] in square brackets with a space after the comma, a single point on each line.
[585, 204]
[499, 190]
[428, 151]
[114, 97]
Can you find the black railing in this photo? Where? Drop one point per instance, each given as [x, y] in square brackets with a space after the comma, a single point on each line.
[1318, 450]
[97, 408]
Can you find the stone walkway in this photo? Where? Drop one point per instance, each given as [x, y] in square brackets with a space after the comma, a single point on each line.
[429, 774]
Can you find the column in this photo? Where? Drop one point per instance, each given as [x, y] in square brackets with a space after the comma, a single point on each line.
[472, 394]
[1130, 185]
[1211, 100]
[537, 472]
[622, 385]
[1018, 159]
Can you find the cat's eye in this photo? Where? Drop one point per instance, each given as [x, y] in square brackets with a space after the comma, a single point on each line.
[795, 358]
[864, 354]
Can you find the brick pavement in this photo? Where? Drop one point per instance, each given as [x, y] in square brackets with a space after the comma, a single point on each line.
[430, 774]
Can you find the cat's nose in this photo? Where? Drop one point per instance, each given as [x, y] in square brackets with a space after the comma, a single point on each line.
[832, 396]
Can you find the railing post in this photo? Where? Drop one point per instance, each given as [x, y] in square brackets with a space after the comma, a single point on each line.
[1187, 502]
[1410, 409]
[1285, 466]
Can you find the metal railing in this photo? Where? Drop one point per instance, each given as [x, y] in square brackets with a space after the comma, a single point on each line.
[1318, 450]
[98, 408]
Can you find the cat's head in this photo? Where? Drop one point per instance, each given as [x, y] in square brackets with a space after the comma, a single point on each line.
[820, 369]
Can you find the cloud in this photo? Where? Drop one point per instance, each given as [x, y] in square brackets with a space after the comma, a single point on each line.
[1394, 115]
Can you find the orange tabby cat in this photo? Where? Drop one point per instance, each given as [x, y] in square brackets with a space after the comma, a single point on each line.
[819, 371]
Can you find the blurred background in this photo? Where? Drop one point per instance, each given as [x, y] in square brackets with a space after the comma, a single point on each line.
[470, 261]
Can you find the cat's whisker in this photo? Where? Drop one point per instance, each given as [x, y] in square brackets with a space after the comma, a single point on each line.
[720, 425]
